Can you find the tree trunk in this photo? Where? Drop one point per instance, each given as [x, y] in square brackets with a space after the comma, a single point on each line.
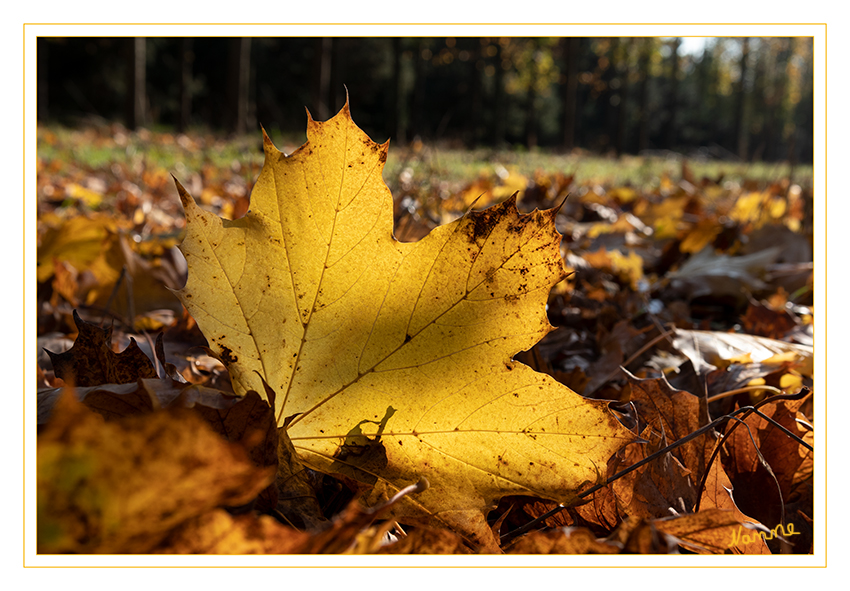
[672, 131]
[418, 89]
[42, 104]
[338, 90]
[474, 92]
[239, 77]
[499, 100]
[322, 80]
[779, 86]
[570, 97]
[760, 118]
[186, 57]
[643, 95]
[623, 72]
[705, 94]
[135, 70]
[396, 126]
[741, 123]
[531, 117]
[530, 100]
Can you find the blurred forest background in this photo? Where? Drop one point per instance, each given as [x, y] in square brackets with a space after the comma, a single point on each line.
[738, 99]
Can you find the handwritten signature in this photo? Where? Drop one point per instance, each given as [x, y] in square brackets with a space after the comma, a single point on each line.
[779, 531]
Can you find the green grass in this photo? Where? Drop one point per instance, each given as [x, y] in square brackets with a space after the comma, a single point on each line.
[640, 172]
[96, 148]
[101, 147]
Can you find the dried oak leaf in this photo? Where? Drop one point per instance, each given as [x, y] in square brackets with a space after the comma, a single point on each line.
[121, 486]
[392, 360]
[91, 361]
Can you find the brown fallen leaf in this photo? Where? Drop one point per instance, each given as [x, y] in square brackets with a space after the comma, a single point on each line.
[764, 321]
[108, 400]
[757, 493]
[713, 531]
[426, 540]
[673, 414]
[122, 486]
[566, 540]
[219, 532]
[718, 494]
[657, 488]
[639, 535]
[140, 397]
[248, 421]
[92, 362]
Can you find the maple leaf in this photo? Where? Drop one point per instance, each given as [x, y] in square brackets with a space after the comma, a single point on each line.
[391, 360]
[91, 361]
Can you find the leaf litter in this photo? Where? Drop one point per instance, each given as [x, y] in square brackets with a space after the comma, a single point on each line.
[656, 284]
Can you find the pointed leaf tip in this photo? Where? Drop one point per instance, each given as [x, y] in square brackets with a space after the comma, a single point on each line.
[268, 145]
[185, 198]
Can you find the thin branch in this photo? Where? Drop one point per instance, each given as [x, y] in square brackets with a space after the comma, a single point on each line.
[752, 409]
[729, 393]
[746, 411]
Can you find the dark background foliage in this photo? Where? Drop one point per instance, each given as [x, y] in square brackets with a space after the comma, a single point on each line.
[730, 98]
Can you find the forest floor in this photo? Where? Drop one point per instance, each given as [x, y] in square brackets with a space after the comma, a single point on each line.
[694, 274]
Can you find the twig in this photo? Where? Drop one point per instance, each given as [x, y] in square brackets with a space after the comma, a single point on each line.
[635, 355]
[767, 467]
[746, 410]
[804, 391]
[742, 390]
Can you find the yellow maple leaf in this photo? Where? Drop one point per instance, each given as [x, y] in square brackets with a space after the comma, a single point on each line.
[392, 361]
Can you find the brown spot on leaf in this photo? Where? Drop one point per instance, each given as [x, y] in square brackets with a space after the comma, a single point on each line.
[226, 355]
